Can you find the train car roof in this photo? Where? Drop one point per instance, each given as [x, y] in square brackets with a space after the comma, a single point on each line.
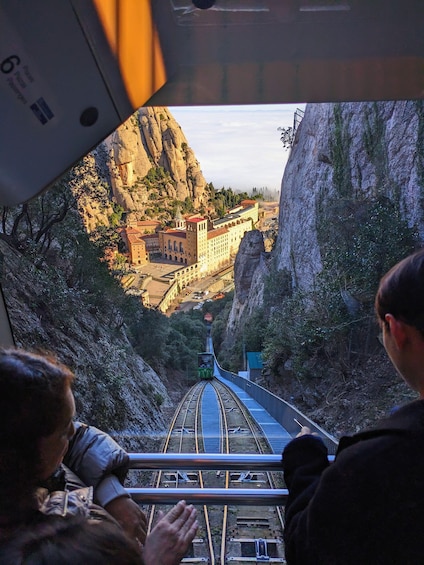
[71, 71]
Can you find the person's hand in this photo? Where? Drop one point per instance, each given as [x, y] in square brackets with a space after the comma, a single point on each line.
[169, 540]
[304, 431]
[128, 514]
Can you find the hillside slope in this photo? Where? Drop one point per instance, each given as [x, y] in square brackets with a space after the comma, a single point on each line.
[350, 207]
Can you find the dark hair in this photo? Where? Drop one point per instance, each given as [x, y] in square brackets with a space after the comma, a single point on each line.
[56, 540]
[32, 399]
[401, 292]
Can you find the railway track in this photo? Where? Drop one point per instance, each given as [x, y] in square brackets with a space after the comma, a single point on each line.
[211, 419]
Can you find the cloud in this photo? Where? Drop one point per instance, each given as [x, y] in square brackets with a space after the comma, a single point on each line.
[238, 146]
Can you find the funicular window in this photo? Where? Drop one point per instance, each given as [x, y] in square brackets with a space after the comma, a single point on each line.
[54, 298]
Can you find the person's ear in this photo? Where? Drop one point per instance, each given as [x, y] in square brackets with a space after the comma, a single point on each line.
[397, 329]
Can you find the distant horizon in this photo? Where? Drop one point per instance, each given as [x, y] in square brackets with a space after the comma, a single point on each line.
[238, 147]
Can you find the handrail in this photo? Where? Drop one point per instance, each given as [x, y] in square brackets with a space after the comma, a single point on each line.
[205, 461]
[208, 461]
[238, 496]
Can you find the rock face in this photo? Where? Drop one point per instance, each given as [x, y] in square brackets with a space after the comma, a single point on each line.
[113, 383]
[351, 206]
[382, 146]
[146, 163]
[151, 139]
[351, 150]
[248, 267]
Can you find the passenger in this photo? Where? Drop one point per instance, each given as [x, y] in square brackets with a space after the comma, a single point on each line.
[35, 396]
[368, 506]
[71, 541]
[36, 426]
[75, 540]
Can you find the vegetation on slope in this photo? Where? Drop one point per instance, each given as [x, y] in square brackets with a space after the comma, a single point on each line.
[63, 298]
[320, 346]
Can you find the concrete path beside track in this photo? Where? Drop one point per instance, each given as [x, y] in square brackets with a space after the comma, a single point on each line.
[277, 436]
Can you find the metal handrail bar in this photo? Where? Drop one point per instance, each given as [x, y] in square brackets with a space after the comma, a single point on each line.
[205, 461]
[237, 496]
[208, 461]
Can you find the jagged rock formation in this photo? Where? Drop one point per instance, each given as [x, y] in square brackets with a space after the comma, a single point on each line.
[91, 187]
[151, 139]
[146, 166]
[115, 388]
[352, 202]
[366, 149]
[375, 147]
[250, 262]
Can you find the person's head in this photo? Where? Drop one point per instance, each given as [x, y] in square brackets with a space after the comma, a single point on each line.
[401, 292]
[36, 411]
[399, 305]
[68, 541]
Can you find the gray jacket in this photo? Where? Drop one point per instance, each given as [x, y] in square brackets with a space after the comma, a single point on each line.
[98, 461]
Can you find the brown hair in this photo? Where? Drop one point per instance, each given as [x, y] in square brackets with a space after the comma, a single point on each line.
[401, 292]
[71, 540]
[32, 395]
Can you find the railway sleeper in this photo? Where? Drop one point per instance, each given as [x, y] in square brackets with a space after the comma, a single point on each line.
[256, 550]
[181, 477]
[247, 477]
[252, 522]
[184, 431]
[255, 560]
[252, 540]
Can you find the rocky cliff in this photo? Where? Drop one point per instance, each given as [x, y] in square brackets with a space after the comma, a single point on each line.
[351, 206]
[358, 151]
[115, 388]
[250, 268]
[67, 303]
[149, 166]
[353, 152]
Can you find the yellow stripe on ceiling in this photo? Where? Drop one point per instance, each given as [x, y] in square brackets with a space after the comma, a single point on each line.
[131, 33]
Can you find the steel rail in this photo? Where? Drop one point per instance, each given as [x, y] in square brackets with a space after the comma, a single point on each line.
[256, 437]
[225, 448]
[197, 426]
[185, 402]
[248, 418]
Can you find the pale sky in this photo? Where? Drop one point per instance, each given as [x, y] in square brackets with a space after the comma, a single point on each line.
[238, 146]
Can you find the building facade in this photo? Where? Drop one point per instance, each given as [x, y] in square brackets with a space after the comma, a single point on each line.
[210, 245]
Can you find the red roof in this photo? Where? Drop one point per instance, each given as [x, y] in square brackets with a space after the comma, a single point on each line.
[132, 238]
[196, 220]
[176, 233]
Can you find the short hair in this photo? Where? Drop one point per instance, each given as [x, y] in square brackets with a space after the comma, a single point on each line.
[57, 540]
[401, 292]
[32, 399]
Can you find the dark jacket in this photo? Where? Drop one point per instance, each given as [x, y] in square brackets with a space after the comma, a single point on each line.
[366, 508]
[97, 460]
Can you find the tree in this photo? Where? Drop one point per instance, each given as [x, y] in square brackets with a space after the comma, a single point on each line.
[286, 137]
[32, 223]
